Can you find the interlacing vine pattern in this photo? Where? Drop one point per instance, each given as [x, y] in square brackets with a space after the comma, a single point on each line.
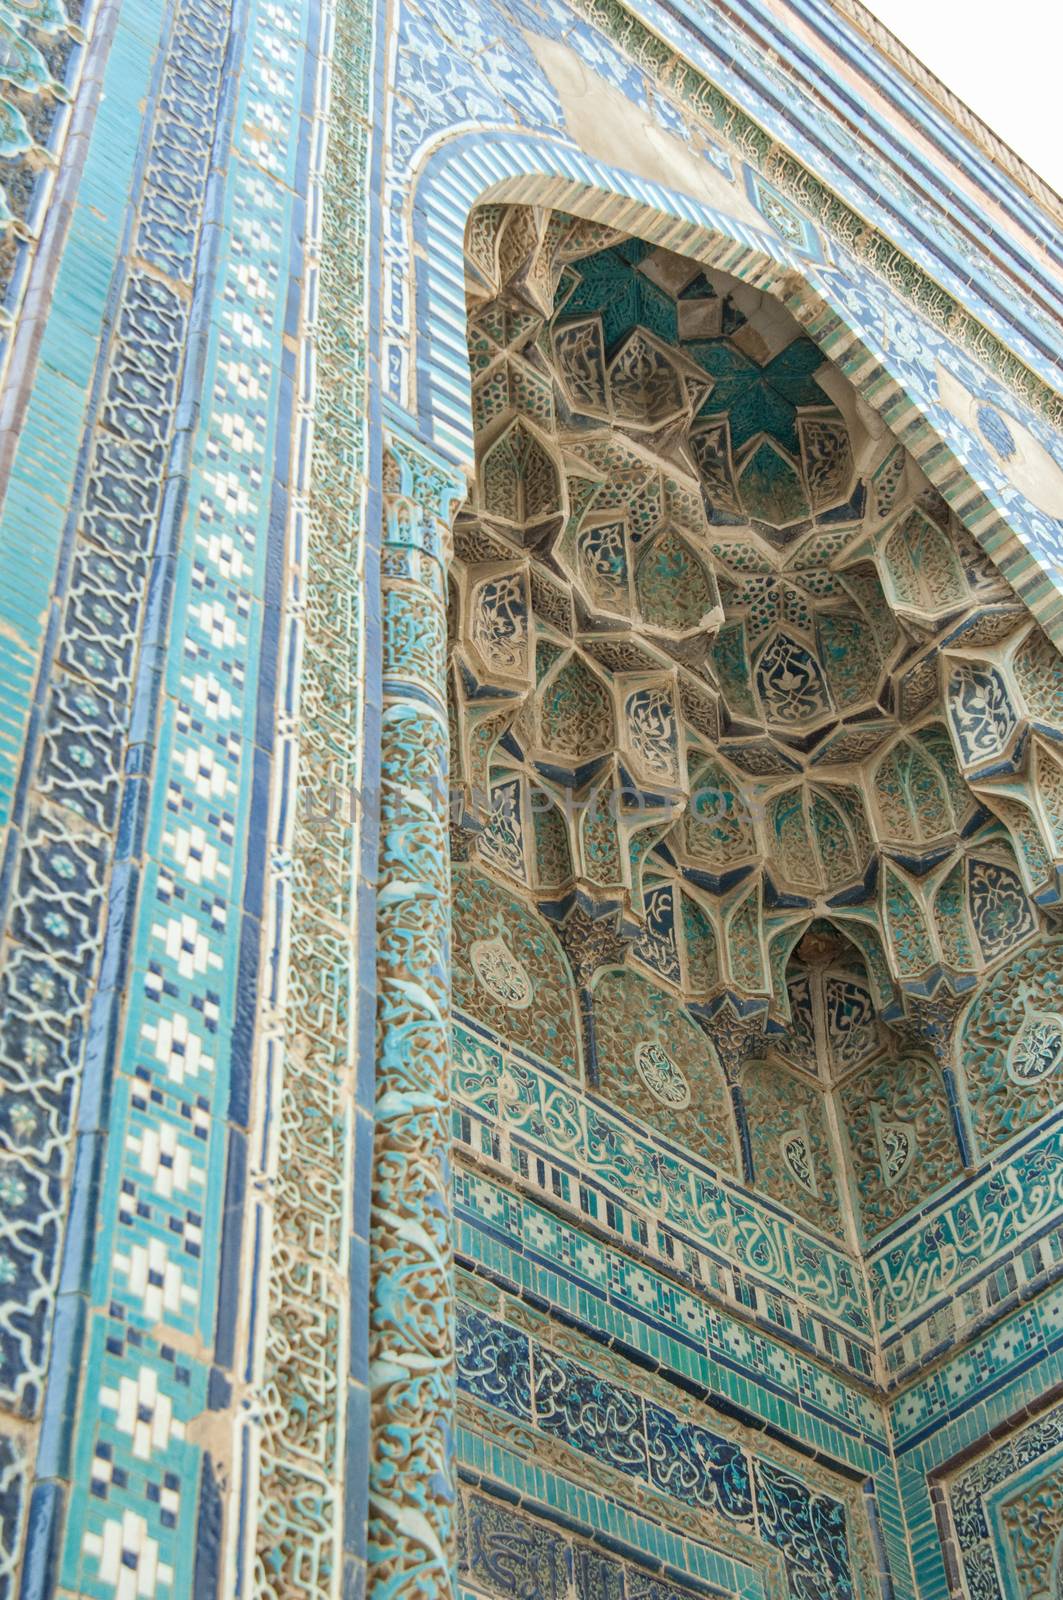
[411, 1314]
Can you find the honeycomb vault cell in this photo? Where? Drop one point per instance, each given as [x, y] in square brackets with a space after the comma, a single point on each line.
[716, 637]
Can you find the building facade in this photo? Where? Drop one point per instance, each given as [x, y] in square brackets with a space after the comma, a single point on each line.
[531, 809]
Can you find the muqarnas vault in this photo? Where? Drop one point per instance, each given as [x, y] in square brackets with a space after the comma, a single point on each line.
[531, 789]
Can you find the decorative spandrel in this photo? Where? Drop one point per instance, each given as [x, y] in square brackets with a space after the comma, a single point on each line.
[509, 971]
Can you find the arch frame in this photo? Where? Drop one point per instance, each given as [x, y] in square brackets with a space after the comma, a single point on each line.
[906, 380]
[428, 424]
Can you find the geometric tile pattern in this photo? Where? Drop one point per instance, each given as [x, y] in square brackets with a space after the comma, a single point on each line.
[1007, 1512]
[1008, 1207]
[671, 1203]
[578, 1409]
[977, 1478]
[71, 866]
[984, 1366]
[160, 691]
[600, 1272]
[171, 1109]
[500, 1548]
[227, 232]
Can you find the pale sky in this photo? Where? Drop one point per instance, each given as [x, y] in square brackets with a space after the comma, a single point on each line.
[1004, 61]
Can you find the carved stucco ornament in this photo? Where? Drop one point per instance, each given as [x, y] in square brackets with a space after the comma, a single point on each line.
[662, 1076]
[498, 969]
[897, 1144]
[1037, 1049]
[796, 1148]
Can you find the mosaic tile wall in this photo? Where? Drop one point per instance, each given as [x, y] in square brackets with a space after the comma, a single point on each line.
[812, 1033]
[744, 1130]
